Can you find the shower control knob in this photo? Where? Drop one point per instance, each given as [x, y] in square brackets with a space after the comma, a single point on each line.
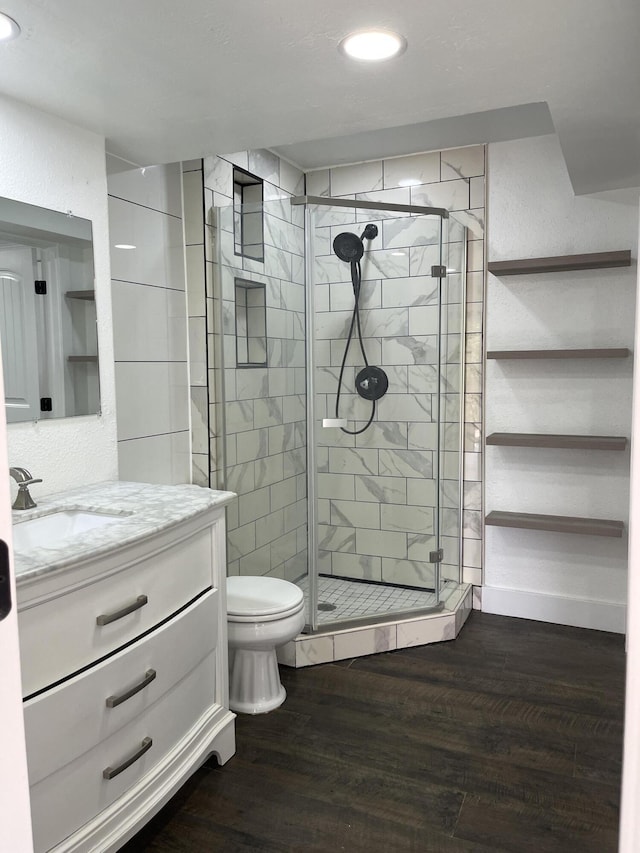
[372, 383]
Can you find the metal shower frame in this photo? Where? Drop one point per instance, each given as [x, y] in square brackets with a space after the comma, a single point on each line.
[312, 533]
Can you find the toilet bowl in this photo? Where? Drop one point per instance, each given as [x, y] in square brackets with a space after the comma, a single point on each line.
[262, 614]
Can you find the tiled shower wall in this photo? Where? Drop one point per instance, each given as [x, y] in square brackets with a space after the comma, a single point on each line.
[264, 407]
[376, 492]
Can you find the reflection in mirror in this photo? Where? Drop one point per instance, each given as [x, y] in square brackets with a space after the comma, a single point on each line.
[47, 314]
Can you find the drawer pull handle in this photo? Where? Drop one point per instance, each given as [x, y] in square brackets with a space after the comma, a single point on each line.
[105, 618]
[113, 701]
[110, 772]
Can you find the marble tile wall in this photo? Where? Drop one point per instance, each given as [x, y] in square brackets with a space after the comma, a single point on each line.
[264, 407]
[376, 491]
[149, 322]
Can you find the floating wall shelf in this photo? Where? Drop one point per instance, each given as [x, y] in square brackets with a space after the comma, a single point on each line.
[577, 442]
[81, 294]
[619, 352]
[557, 523]
[562, 263]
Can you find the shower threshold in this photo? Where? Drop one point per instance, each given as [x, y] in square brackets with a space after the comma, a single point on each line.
[365, 633]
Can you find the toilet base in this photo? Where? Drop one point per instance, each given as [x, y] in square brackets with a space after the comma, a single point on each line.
[254, 681]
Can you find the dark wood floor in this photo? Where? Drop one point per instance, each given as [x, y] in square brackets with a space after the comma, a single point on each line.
[507, 739]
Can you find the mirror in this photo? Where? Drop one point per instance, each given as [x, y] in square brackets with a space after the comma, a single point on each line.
[47, 314]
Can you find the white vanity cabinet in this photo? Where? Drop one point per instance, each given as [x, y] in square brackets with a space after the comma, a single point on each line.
[124, 660]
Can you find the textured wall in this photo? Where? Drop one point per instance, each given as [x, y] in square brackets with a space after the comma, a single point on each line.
[533, 213]
[53, 164]
[149, 322]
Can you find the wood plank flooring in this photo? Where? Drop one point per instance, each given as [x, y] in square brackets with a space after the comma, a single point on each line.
[506, 739]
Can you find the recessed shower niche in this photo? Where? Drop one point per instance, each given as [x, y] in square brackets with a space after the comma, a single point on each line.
[251, 324]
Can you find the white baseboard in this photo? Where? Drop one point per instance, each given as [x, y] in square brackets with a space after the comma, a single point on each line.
[599, 615]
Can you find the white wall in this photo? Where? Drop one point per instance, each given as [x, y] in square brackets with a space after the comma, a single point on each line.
[149, 322]
[48, 162]
[629, 818]
[532, 212]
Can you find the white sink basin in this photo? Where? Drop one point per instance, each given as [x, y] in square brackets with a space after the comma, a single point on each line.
[52, 528]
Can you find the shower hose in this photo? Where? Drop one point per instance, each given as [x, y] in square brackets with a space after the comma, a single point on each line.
[356, 280]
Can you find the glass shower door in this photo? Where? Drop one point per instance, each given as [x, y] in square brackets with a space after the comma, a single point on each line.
[376, 492]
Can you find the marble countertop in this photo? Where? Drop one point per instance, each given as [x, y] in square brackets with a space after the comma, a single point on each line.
[143, 510]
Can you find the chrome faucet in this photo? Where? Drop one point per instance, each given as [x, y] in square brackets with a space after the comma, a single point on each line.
[24, 479]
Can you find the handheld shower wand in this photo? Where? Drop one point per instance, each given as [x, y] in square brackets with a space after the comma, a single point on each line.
[371, 382]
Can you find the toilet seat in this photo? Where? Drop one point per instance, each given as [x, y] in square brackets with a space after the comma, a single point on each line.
[262, 599]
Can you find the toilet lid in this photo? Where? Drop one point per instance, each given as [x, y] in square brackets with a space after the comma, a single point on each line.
[261, 596]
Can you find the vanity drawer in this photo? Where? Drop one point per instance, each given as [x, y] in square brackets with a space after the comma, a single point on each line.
[65, 634]
[73, 717]
[67, 799]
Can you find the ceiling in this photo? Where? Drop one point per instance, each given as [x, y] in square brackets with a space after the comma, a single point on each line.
[166, 81]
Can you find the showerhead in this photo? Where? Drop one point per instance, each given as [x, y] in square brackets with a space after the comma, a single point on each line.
[348, 247]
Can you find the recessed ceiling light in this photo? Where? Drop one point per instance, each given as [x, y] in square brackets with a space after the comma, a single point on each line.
[124, 246]
[9, 28]
[373, 45]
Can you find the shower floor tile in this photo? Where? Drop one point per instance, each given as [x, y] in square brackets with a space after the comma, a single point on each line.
[368, 620]
[351, 599]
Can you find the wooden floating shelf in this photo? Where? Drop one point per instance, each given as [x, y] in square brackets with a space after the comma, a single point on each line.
[81, 294]
[556, 523]
[620, 352]
[74, 359]
[578, 442]
[562, 263]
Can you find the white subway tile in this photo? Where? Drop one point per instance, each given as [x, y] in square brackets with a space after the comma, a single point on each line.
[367, 641]
[408, 572]
[344, 460]
[416, 168]
[314, 650]
[462, 162]
[355, 514]
[383, 489]
[254, 505]
[360, 566]
[360, 178]
[432, 629]
[283, 493]
[403, 292]
[409, 519]
[381, 543]
[268, 470]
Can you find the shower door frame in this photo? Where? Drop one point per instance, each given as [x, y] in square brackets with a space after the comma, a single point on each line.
[312, 516]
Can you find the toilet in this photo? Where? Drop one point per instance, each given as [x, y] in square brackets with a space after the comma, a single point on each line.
[262, 614]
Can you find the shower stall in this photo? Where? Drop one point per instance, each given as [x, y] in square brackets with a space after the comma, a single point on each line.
[338, 418]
